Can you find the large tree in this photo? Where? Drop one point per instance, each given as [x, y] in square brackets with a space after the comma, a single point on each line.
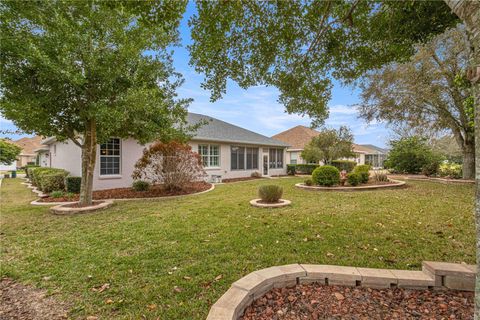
[429, 91]
[8, 152]
[90, 70]
[330, 144]
[297, 45]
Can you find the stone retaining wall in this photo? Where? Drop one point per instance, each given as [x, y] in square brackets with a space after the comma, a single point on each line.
[433, 275]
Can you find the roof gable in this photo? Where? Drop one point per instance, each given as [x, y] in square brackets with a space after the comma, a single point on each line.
[297, 137]
[28, 145]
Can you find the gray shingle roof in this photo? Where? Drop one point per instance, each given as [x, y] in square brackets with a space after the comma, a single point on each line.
[375, 149]
[218, 130]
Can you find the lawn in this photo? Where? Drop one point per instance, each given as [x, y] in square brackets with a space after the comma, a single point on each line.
[171, 259]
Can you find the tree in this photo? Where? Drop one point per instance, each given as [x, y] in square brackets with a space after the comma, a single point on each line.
[410, 155]
[329, 145]
[89, 70]
[8, 152]
[429, 91]
[172, 164]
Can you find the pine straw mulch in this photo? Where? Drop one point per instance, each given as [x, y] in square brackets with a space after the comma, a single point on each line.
[127, 193]
[315, 301]
[22, 302]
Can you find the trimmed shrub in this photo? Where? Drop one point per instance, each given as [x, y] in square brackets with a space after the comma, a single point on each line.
[56, 194]
[309, 182]
[141, 185]
[362, 168]
[52, 182]
[450, 170]
[72, 184]
[291, 169]
[326, 176]
[363, 171]
[353, 179]
[346, 165]
[28, 169]
[270, 193]
[306, 168]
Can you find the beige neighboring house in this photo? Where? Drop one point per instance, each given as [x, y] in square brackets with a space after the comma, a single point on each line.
[28, 154]
[227, 151]
[298, 137]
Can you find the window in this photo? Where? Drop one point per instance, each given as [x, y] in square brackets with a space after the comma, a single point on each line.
[210, 155]
[293, 157]
[110, 157]
[276, 158]
[242, 158]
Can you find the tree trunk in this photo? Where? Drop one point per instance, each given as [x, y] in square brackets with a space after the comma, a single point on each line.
[89, 155]
[468, 168]
[469, 12]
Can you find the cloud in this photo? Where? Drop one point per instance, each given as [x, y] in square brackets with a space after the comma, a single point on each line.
[4, 120]
[343, 109]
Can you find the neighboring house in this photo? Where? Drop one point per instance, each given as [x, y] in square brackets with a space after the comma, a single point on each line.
[28, 145]
[298, 137]
[227, 152]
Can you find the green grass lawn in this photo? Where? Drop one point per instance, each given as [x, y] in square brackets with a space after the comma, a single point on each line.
[143, 249]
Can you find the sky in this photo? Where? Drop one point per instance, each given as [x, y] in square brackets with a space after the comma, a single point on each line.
[257, 108]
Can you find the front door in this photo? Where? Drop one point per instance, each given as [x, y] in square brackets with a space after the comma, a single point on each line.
[265, 164]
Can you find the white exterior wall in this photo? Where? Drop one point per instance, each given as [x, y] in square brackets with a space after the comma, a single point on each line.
[68, 156]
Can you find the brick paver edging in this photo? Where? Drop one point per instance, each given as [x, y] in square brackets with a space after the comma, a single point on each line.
[279, 204]
[396, 184]
[433, 275]
[39, 203]
[63, 209]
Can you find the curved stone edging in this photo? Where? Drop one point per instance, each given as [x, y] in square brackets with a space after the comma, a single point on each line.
[254, 285]
[63, 210]
[397, 184]
[212, 187]
[442, 180]
[282, 203]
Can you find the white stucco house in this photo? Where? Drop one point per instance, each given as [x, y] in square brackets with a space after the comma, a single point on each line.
[227, 151]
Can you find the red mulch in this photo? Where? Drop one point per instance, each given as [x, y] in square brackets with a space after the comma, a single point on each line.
[126, 193]
[240, 179]
[315, 301]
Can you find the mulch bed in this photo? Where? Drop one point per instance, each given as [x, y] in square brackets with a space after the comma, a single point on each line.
[315, 301]
[241, 179]
[22, 302]
[127, 193]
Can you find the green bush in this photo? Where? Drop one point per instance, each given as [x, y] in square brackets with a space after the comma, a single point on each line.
[28, 169]
[306, 168]
[450, 170]
[363, 171]
[309, 182]
[291, 169]
[72, 184]
[409, 155]
[270, 193]
[346, 165]
[48, 179]
[56, 194]
[326, 176]
[353, 179]
[432, 166]
[141, 185]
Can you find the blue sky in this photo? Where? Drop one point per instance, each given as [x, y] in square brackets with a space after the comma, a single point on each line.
[257, 108]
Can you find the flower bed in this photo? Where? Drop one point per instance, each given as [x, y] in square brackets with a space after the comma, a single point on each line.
[370, 185]
[129, 193]
[240, 179]
[315, 301]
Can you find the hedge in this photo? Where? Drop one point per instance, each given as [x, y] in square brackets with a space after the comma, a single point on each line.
[301, 168]
[72, 184]
[346, 165]
[48, 179]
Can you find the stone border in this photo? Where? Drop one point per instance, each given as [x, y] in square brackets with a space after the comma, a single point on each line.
[282, 203]
[397, 184]
[62, 209]
[212, 187]
[442, 180]
[254, 285]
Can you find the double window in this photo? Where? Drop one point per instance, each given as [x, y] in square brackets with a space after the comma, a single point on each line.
[242, 158]
[293, 157]
[110, 157]
[276, 158]
[210, 155]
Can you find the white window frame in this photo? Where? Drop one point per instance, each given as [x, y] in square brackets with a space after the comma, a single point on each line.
[119, 156]
[209, 155]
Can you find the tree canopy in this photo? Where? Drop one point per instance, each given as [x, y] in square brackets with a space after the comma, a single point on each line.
[8, 152]
[298, 46]
[329, 145]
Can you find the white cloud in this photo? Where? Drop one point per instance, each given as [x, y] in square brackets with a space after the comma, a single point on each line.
[343, 109]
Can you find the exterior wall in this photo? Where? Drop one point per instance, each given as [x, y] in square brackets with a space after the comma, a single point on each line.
[44, 159]
[67, 155]
[24, 159]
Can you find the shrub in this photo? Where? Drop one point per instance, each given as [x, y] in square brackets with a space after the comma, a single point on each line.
[450, 170]
[141, 185]
[306, 168]
[291, 169]
[363, 171]
[69, 195]
[431, 167]
[28, 169]
[326, 176]
[346, 165]
[51, 182]
[172, 164]
[56, 194]
[72, 184]
[270, 193]
[380, 176]
[353, 179]
[309, 182]
[409, 155]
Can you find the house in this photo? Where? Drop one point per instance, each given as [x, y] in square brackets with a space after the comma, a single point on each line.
[28, 154]
[227, 151]
[298, 137]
